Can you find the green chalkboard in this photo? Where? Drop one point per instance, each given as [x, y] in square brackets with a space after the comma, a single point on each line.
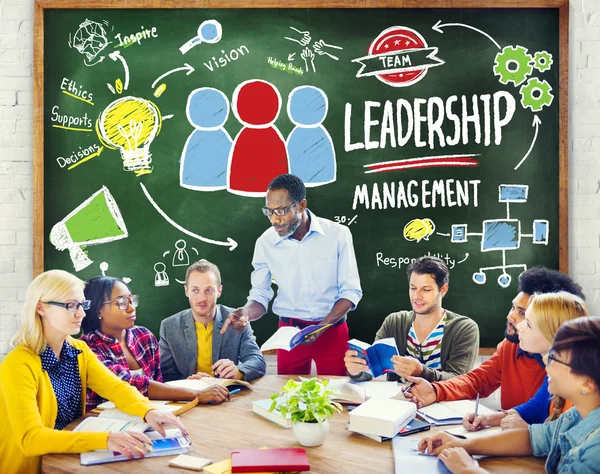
[426, 131]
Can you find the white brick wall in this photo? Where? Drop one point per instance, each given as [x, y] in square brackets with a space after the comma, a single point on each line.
[16, 139]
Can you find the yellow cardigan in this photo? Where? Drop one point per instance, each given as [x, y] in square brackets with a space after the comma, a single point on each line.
[28, 408]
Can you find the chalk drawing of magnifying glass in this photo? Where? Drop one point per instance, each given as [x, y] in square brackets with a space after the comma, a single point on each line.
[210, 31]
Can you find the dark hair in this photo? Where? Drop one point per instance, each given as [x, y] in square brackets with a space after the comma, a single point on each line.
[97, 290]
[430, 266]
[544, 280]
[580, 337]
[292, 184]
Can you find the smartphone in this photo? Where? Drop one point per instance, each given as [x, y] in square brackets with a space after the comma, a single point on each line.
[415, 426]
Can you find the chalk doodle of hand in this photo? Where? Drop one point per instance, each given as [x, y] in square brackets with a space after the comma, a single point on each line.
[302, 41]
[319, 45]
[307, 54]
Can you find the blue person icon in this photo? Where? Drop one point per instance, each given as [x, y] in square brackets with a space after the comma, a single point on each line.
[206, 151]
[309, 145]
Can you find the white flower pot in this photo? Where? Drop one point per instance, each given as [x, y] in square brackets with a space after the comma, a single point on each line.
[311, 434]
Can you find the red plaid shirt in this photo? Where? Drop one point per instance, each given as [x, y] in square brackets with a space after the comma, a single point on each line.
[144, 347]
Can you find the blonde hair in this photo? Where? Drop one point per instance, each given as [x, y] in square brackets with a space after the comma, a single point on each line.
[550, 311]
[53, 285]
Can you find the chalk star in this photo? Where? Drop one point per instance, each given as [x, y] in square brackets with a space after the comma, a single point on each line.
[386, 46]
[407, 43]
[396, 43]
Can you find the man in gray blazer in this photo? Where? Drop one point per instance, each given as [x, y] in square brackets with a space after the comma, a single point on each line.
[191, 343]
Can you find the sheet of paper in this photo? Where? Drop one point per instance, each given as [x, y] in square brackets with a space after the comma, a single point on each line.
[462, 432]
[101, 424]
[109, 404]
[376, 389]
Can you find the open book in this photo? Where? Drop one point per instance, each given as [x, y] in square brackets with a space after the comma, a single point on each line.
[451, 413]
[175, 442]
[262, 408]
[462, 432]
[205, 382]
[288, 337]
[378, 356]
[359, 392]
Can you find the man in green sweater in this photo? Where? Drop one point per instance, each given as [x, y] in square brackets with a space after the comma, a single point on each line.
[433, 343]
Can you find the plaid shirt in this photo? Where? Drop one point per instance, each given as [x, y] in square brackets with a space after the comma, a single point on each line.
[144, 347]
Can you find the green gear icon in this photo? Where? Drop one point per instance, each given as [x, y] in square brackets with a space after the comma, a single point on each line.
[542, 61]
[513, 64]
[536, 94]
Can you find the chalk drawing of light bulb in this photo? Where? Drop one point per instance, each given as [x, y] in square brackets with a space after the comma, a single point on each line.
[130, 124]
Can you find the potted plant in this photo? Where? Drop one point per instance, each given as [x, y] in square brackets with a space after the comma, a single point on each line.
[309, 404]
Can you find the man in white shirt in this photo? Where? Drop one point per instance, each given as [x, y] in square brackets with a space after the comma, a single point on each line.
[314, 267]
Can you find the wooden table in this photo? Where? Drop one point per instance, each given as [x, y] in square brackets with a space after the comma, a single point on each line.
[215, 431]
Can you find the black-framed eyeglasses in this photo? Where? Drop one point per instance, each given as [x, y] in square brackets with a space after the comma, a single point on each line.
[72, 306]
[280, 211]
[552, 358]
[123, 302]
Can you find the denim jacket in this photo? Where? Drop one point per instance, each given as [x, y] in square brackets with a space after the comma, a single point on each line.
[571, 443]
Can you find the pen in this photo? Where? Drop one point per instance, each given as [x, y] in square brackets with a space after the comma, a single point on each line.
[317, 331]
[235, 391]
[477, 405]
[409, 387]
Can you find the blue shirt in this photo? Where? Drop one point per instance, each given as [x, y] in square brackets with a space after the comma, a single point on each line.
[311, 274]
[64, 376]
[537, 409]
[571, 443]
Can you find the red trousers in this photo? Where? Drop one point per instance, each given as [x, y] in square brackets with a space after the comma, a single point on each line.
[327, 352]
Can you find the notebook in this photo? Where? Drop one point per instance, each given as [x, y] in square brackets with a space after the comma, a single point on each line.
[284, 459]
[451, 413]
[261, 408]
[98, 425]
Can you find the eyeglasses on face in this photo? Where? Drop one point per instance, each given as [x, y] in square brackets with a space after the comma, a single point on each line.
[552, 358]
[280, 211]
[123, 302]
[72, 306]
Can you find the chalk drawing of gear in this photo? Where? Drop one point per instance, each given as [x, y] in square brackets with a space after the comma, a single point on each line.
[513, 64]
[536, 94]
[542, 61]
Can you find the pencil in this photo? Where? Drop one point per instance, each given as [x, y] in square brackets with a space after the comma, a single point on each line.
[477, 405]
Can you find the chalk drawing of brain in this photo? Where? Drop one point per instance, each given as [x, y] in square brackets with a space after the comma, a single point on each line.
[90, 39]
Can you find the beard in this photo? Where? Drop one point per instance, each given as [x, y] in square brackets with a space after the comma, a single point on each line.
[514, 337]
[293, 227]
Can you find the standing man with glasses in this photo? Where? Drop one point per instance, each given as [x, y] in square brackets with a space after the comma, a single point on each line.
[434, 343]
[314, 267]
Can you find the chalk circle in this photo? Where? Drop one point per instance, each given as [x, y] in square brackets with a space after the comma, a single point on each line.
[180, 244]
[104, 266]
[504, 280]
[157, 267]
[210, 31]
[479, 278]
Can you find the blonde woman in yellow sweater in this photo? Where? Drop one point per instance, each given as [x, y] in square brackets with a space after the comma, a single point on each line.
[43, 382]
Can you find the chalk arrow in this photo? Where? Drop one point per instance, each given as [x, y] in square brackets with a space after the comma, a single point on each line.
[466, 256]
[439, 25]
[186, 67]
[536, 123]
[232, 244]
[115, 55]
[291, 56]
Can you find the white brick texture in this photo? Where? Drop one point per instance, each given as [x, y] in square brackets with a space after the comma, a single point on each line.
[16, 137]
